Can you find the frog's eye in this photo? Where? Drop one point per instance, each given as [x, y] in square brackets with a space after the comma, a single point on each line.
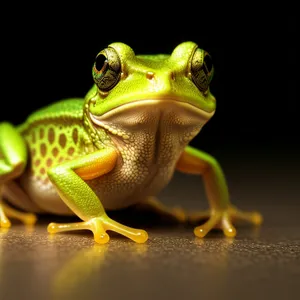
[201, 69]
[107, 69]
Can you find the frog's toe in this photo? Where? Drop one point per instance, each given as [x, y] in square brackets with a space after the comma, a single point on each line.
[257, 218]
[137, 235]
[227, 226]
[254, 217]
[29, 219]
[4, 223]
[101, 238]
[202, 231]
[100, 235]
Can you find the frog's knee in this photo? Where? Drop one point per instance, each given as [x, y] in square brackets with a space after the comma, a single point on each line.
[18, 167]
[210, 161]
[4, 126]
[13, 150]
[12, 170]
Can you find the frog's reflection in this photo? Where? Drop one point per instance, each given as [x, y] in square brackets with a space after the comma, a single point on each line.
[216, 251]
[3, 231]
[75, 273]
[78, 268]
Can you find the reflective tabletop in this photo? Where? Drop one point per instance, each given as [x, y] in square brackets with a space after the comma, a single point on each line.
[259, 263]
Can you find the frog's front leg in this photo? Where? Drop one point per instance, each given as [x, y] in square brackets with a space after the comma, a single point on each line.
[221, 212]
[13, 159]
[69, 180]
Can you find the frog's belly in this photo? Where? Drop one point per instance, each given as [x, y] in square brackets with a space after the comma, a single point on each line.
[116, 190]
[123, 187]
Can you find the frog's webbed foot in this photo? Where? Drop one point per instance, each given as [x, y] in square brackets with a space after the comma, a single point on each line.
[223, 219]
[7, 212]
[99, 226]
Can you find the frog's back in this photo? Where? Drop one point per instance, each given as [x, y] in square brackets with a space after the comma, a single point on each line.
[64, 110]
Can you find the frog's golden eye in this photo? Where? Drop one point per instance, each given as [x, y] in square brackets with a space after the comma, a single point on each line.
[201, 69]
[107, 69]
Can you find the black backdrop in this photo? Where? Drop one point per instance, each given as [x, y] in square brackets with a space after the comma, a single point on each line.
[48, 55]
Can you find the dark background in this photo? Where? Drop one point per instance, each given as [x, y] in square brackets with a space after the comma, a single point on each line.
[47, 55]
[49, 52]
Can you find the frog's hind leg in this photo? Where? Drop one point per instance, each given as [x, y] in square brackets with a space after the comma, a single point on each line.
[13, 159]
[154, 204]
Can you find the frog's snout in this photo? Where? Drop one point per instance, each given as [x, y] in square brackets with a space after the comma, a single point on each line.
[151, 75]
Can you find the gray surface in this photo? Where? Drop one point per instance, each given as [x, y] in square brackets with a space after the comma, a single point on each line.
[261, 263]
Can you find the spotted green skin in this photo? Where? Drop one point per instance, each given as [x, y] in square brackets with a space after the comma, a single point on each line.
[53, 135]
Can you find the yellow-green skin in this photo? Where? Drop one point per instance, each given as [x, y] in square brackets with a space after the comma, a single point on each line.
[53, 135]
[147, 120]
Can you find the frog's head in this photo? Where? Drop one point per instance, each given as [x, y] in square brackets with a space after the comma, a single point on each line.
[125, 81]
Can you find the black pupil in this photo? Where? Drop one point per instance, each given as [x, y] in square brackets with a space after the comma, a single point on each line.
[100, 61]
[208, 62]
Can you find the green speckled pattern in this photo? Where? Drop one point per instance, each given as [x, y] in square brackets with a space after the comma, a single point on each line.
[54, 134]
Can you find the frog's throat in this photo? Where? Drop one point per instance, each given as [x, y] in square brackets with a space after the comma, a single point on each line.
[139, 104]
[118, 120]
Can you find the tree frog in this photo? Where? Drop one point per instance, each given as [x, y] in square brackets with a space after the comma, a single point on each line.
[118, 146]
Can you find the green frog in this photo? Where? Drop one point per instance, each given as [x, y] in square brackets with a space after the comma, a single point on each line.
[118, 146]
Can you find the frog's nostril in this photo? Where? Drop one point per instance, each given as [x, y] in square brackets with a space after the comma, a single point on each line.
[172, 76]
[149, 75]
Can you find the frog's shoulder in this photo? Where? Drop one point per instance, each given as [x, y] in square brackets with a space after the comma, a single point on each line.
[67, 109]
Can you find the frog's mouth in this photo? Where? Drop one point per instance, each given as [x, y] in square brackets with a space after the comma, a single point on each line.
[152, 115]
